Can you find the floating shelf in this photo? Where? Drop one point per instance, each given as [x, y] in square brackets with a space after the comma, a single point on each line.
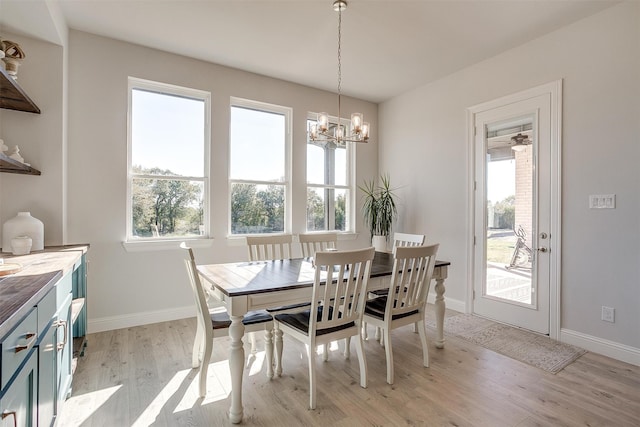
[13, 97]
[7, 164]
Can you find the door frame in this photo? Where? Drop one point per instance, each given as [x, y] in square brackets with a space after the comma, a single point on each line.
[554, 89]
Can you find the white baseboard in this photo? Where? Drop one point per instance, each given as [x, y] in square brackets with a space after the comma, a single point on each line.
[139, 319]
[607, 348]
[450, 304]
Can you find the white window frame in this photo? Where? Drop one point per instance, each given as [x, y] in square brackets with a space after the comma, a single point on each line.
[350, 177]
[159, 243]
[287, 112]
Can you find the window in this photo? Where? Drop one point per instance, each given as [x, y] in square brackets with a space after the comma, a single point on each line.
[259, 168]
[329, 184]
[168, 145]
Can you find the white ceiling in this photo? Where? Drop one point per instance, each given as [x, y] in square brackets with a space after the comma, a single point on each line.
[388, 47]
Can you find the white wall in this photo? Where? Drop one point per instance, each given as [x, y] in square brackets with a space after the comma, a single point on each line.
[424, 148]
[133, 288]
[40, 138]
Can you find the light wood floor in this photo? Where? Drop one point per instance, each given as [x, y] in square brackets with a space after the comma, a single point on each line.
[141, 376]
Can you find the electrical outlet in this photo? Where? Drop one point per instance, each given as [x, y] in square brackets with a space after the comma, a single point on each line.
[602, 201]
[608, 314]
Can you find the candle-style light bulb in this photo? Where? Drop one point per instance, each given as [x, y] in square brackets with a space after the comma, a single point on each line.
[323, 122]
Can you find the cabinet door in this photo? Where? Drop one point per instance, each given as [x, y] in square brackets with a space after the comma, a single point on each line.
[47, 378]
[64, 349]
[18, 404]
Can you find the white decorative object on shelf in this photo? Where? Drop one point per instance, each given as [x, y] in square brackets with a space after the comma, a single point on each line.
[15, 154]
[3, 147]
[21, 245]
[23, 224]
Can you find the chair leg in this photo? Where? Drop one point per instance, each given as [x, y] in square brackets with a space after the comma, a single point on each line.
[365, 335]
[325, 352]
[268, 349]
[311, 353]
[423, 340]
[362, 361]
[196, 355]
[252, 338]
[347, 347]
[389, 353]
[204, 367]
[415, 328]
[278, 347]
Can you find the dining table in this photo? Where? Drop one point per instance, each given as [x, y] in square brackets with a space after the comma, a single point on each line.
[247, 286]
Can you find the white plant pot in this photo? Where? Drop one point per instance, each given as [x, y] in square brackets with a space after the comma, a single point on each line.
[379, 243]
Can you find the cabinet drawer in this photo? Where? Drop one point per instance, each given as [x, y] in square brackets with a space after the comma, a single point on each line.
[46, 310]
[63, 288]
[17, 345]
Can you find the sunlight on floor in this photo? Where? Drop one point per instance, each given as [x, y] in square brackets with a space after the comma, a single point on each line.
[95, 399]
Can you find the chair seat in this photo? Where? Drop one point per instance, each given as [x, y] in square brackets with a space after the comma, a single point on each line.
[375, 307]
[379, 292]
[300, 321]
[221, 320]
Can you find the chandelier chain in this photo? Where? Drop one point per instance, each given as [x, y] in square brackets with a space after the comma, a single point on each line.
[339, 60]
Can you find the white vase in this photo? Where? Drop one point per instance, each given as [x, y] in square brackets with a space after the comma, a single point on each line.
[23, 224]
[379, 243]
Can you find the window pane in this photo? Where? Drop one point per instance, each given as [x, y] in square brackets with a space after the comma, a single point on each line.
[341, 166]
[315, 164]
[257, 145]
[167, 208]
[327, 209]
[167, 133]
[315, 209]
[257, 209]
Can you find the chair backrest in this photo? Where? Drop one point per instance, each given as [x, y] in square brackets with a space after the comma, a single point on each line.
[199, 293]
[311, 243]
[406, 239]
[411, 278]
[340, 287]
[269, 248]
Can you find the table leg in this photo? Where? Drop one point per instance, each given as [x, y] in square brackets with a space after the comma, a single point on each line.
[236, 366]
[440, 307]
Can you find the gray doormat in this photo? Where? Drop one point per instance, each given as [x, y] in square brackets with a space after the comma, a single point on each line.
[528, 347]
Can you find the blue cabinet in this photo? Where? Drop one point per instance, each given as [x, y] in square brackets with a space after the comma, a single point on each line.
[18, 402]
[37, 347]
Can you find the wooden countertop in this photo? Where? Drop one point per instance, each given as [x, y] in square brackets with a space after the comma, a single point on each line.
[41, 270]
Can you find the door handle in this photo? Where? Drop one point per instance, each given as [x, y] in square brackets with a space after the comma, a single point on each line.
[543, 249]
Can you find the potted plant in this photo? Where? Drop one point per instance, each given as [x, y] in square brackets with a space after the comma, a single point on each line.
[379, 210]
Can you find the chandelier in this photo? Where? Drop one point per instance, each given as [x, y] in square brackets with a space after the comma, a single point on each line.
[320, 131]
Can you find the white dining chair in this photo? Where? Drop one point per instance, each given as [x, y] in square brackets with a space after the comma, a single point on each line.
[399, 240]
[337, 304]
[310, 243]
[213, 323]
[269, 247]
[407, 239]
[406, 298]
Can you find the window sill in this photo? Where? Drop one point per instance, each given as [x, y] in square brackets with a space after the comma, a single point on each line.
[164, 245]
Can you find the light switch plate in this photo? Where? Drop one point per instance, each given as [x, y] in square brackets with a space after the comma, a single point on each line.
[602, 201]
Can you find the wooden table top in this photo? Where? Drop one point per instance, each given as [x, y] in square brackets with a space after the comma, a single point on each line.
[247, 278]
